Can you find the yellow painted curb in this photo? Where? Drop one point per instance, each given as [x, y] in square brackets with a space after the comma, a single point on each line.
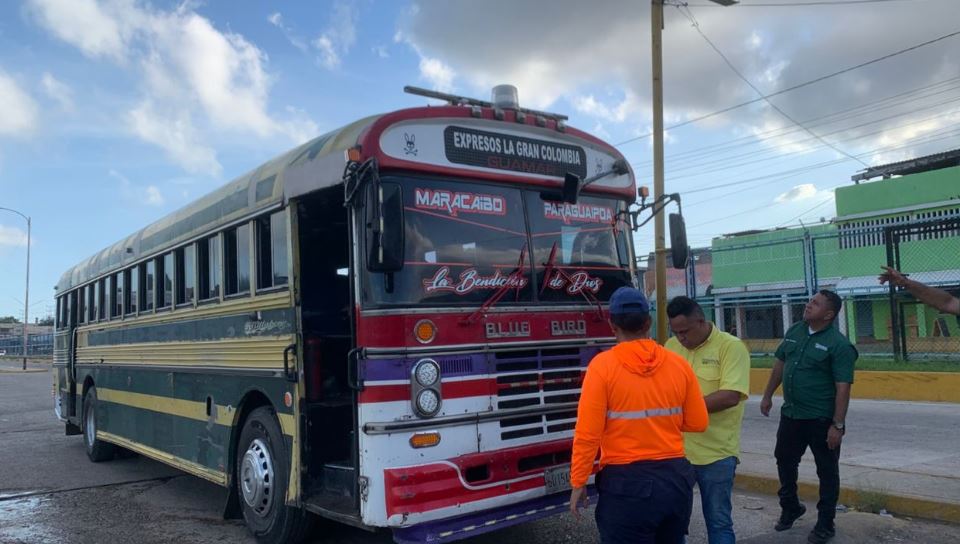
[897, 504]
[871, 384]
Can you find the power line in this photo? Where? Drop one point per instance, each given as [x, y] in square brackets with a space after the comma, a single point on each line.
[795, 87]
[800, 4]
[743, 141]
[696, 26]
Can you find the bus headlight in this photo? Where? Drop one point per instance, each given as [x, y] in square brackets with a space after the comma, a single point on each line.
[426, 372]
[428, 402]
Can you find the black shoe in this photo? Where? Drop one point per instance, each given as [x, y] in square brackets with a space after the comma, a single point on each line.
[787, 517]
[821, 534]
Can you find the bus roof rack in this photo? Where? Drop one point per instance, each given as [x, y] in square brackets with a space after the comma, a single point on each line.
[456, 100]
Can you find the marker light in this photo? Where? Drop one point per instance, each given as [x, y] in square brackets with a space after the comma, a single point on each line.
[425, 440]
[425, 331]
[426, 372]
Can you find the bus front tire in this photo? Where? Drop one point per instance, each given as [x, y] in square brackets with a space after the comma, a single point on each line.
[262, 471]
[97, 450]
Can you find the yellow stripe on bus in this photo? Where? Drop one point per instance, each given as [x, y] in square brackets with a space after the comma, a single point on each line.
[190, 409]
[206, 473]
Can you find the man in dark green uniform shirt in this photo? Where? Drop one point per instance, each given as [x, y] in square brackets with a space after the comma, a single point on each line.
[815, 363]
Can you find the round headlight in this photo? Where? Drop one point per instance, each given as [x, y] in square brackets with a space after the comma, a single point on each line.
[428, 402]
[427, 372]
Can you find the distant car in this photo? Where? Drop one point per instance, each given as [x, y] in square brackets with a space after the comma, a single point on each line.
[3, 352]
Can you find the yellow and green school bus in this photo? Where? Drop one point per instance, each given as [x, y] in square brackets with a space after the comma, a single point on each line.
[386, 326]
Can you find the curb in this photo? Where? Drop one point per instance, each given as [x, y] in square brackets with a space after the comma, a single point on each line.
[899, 504]
[21, 371]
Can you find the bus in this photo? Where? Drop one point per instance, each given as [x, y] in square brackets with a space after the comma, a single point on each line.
[386, 326]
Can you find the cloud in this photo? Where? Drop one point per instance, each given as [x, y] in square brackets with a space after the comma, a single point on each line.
[584, 50]
[276, 19]
[173, 131]
[147, 196]
[12, 236]
[59, 92]
[18, 112]
[98, 29]
[381, 51]
[338, 38]
[195, 80]
[439, 75]
[805, 191]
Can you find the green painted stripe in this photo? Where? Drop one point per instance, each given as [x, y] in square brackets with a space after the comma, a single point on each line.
[278, 322]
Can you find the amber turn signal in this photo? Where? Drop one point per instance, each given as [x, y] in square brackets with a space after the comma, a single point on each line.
[425, 331]
[425, 440]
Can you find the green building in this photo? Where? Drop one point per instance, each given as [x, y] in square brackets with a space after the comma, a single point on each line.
[761, 279]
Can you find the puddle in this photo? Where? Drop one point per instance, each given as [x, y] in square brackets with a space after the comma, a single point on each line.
[21, 521]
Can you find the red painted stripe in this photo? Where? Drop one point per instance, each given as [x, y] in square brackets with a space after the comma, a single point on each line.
[448, 390]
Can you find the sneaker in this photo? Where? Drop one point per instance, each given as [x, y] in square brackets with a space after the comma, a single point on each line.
[821, 534]
[787, 517]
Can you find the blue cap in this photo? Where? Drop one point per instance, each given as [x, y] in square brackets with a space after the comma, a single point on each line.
[628, 300]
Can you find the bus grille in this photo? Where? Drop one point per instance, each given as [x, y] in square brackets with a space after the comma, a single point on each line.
[538, 378]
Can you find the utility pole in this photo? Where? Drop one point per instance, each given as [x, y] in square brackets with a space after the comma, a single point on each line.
[659, 234]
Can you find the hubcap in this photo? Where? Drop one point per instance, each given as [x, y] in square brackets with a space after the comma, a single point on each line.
[256, 477]
[91, 426]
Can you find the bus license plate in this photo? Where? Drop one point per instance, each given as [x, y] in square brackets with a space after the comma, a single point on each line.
[557, 479]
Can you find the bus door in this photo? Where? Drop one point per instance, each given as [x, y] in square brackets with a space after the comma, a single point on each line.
[322, 262]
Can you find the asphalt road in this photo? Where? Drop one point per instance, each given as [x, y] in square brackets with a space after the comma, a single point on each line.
[51, 493]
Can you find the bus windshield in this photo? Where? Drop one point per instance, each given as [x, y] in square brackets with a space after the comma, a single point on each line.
[466, 243]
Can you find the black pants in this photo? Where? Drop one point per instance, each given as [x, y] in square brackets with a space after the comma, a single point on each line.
[793, 437]
[647, 502]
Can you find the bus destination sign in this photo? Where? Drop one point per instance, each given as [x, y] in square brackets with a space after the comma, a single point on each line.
[514, 153]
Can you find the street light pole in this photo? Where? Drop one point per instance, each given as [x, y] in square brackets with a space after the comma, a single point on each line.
[26, 296]
[659, 236]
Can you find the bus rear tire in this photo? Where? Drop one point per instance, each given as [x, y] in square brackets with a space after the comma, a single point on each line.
[97, 450]
[262, 471]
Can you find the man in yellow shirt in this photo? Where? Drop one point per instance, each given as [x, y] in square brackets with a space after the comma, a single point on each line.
[721, 363]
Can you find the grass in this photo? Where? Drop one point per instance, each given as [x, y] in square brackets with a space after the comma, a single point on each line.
[887, 365]
[871, 501]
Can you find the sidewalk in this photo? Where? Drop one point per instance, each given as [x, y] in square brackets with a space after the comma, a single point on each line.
[901, 456]
[12, 364]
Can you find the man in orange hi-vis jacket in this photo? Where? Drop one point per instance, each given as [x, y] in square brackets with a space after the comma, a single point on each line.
[637, 400]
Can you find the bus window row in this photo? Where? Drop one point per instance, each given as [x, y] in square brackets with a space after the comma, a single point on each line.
[209, 270]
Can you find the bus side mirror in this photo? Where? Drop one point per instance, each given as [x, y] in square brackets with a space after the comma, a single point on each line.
[383, 221]
[678, 241]
[571, 186]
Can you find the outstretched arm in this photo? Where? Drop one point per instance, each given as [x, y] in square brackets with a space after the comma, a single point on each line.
[931, 296]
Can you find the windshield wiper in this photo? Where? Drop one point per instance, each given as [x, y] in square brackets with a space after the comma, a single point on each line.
[501, 291]
[550, 267]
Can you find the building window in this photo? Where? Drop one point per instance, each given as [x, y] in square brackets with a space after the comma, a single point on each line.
[186, 274]
[118, 295]
[236, 257]
[208, 265]
[148, 278]
[272, 251]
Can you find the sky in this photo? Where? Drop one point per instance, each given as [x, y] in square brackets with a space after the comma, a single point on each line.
[114, 113]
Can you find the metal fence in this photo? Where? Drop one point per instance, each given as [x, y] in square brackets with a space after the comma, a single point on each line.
[756, 285]
[38, 345]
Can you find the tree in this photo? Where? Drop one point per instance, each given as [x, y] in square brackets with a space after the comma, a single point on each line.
[9, 319]
[46, 321]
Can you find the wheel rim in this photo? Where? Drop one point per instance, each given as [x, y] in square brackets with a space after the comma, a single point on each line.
[256, 477]
[91, 425]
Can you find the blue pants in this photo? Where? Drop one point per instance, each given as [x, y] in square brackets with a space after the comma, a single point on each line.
[716, 487]
[646, 502]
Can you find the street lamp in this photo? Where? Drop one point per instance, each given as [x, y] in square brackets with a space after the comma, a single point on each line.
[26, 296]
[659, 234]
